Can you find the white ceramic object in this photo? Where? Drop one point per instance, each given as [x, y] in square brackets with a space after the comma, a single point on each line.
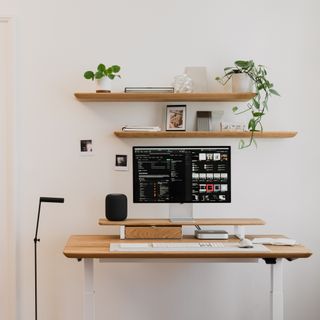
[182, 83]
[241, 82]
[103, 84]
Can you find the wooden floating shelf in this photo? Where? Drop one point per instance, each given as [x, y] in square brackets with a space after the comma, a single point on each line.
[202, 222]
[204, 134]
[163, 97]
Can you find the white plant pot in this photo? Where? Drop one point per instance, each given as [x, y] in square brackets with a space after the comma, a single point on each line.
[241, 82]
[103, 84]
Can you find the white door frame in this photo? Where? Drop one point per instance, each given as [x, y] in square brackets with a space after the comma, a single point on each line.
[8, 176]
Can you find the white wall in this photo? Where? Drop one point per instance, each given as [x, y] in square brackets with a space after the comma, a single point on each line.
[7, 136]
[153, 42]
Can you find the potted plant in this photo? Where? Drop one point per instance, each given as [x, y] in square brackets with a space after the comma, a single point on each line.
[258, 105]
[103, 76]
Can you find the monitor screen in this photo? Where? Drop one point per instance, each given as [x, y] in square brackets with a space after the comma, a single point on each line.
[181, 174]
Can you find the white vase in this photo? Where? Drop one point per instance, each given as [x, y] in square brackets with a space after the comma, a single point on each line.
[103, 84]
[241, 82]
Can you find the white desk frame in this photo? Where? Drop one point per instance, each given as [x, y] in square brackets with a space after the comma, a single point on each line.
[276, 280]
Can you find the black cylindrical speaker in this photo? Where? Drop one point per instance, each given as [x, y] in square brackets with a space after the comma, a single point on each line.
[116, 207]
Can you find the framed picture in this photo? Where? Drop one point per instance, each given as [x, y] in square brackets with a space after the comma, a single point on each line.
[121, 162]
[86, 147]
[176, 117]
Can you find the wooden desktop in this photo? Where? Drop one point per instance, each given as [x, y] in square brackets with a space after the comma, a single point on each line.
[90, 247]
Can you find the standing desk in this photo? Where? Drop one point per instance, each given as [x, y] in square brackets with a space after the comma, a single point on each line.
[90, 247]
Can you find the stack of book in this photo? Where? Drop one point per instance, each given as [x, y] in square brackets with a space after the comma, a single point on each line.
[140, 128]
[149, 89]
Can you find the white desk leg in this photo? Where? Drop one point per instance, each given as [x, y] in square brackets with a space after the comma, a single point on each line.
[276, 292]
[89, 311]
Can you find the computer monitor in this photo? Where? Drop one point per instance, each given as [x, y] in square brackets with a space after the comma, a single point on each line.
[182, 174]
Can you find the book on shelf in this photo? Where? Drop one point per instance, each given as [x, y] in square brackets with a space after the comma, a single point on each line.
[141, 128]
[149, 90]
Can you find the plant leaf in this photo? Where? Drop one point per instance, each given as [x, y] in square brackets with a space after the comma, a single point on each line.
[101, 67]
[252, 125]
[257, 114]
[241, 144]
[99, 75]
[108, 71]
[235, 109]
[274, 92]
[89, 75]
[241, 63]
[115, 68]
[256, 103]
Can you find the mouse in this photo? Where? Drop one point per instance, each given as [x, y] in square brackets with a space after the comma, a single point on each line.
[245, 243]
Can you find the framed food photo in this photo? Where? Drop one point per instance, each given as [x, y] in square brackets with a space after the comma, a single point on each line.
[176, 117]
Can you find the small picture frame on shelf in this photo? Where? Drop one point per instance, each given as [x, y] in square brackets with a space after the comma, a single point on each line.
[176, 117]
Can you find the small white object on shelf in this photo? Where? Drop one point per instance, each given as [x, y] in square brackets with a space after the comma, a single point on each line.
[232, 126]
[141, 128]
[182, 83]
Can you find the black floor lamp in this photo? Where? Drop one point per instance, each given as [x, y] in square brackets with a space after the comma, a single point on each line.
[36, 240]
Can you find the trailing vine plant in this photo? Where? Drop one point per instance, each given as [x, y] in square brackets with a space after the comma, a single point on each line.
[258, 105]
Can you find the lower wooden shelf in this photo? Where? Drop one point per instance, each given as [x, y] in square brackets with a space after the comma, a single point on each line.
[167, 222]
[204, 134]
[167, 229]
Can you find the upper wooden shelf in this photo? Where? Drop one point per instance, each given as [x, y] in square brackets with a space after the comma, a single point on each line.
[201, 222]
[204, 134]
[164, 97]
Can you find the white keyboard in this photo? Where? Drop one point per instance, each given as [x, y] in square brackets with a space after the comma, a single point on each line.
[181, 247]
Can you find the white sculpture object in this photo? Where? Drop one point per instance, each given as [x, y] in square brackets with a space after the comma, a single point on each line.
[182, 83]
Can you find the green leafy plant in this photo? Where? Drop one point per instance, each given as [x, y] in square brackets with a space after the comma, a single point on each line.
[258, 105]
[102, 71]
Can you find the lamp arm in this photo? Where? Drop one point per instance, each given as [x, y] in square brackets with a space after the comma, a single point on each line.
[37, 227]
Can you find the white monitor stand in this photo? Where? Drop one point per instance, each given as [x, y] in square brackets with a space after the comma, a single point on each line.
[181, 212]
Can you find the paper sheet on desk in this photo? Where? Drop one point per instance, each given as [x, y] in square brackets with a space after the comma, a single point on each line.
[275, 241]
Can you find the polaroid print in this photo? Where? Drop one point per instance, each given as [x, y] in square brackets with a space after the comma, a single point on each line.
[176, 118]
[202, 157]
[86, 147]
[121, 162]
